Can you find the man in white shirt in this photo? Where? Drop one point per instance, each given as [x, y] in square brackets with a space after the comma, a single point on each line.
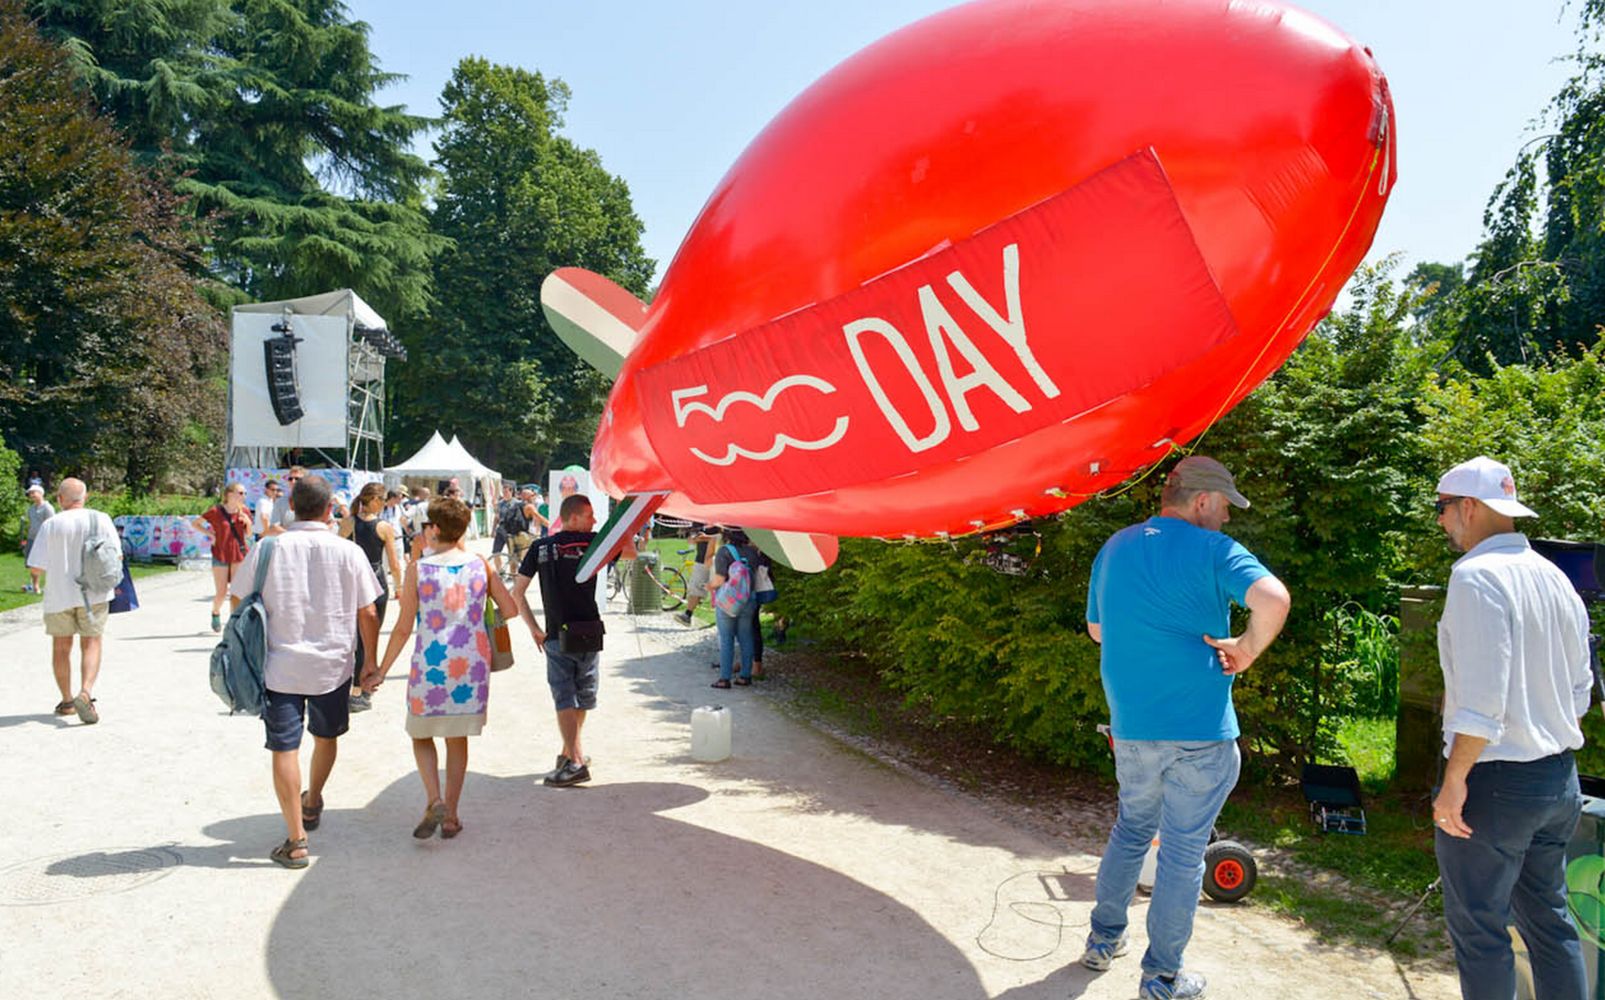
[318, 594]
[58, 549]
[1513, 645]
[271, 491]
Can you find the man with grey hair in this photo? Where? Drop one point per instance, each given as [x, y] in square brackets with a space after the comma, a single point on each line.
[318, 594]
[1513, 645]
[70, 610]
[1159, 603]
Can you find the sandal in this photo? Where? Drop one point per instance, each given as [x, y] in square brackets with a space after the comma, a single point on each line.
[433, 817]
[284, 854]
[86, 710]
[66, 708]
[722, 685]
[450, 827]
[743, 682]
[310, 817]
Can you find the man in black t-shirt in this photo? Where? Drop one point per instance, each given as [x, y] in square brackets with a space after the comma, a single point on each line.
[572, 637]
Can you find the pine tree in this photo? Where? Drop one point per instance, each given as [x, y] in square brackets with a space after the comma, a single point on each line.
[268, 109]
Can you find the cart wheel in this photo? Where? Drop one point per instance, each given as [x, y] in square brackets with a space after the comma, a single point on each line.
[1229, 871]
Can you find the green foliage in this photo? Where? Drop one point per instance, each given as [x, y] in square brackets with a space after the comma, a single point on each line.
[13, 502]
[104, 342]
[267, 107]
[517, 200]
[116, 504]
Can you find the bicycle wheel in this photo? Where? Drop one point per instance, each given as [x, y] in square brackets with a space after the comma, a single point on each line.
[672, 583]
[615, 581]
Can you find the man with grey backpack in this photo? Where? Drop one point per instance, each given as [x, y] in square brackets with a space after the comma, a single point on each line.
[82, 558]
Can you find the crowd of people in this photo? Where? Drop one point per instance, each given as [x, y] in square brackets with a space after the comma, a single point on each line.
[1513, 647]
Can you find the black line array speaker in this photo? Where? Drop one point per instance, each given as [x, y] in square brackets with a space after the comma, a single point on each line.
[283, 389]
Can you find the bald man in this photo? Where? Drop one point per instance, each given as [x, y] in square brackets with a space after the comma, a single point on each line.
[58, 549]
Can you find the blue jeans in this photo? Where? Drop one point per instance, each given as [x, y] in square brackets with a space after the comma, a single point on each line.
[739, 627]
[1513, 868]
[1174, 788]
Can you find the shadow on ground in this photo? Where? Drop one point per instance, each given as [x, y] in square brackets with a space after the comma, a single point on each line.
[574, 893]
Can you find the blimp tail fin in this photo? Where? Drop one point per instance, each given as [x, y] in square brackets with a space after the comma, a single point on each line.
[626, 519]
[796, 550]
[594, 316]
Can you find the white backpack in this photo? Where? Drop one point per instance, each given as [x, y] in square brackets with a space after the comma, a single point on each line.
[102, 561]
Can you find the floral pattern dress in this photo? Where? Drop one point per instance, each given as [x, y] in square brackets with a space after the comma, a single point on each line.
[448, 687]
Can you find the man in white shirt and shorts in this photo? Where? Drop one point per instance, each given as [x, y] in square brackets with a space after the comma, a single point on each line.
[318, 594]
[58, 549]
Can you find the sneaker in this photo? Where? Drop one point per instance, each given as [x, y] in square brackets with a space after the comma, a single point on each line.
[685, 617]
[359, 703]
[1101, 954]
[569, 774]
[563, 761]
[217, 623]
[1182, 985]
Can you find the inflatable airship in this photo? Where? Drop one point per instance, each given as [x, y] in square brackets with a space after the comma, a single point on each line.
[998, 261]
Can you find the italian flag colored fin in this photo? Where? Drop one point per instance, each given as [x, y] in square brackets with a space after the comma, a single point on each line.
[595, 317]
[626, 518]
[795, 550]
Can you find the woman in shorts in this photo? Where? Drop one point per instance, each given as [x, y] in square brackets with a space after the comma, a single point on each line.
[228, 524]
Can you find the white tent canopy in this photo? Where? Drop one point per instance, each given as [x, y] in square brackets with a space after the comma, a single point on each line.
[435, 458]
[480, 471]
[442, 459]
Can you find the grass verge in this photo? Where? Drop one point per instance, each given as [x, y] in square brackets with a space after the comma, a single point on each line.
[14, 576]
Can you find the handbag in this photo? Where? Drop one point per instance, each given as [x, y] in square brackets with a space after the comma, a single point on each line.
[581, 637]
[501, 640]
[763, 586]
[124, 598]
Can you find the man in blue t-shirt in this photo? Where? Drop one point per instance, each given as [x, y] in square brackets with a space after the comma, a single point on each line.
[1160, 604]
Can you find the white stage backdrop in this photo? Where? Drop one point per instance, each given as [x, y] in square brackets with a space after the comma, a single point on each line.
[320, 361]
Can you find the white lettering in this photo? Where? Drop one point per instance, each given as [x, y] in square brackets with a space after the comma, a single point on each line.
[943, 328]
[855, 330]
[1012, 328]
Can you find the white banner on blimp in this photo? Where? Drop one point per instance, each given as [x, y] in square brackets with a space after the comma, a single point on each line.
[320, 364]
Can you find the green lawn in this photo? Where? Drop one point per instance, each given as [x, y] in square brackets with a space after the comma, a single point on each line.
[14, 576]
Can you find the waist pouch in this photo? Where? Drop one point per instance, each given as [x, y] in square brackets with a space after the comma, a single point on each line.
[581, 637]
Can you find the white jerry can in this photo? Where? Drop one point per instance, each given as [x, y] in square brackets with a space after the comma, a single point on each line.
[710, 733]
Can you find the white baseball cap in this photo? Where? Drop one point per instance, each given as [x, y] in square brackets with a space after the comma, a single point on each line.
[1484, 479]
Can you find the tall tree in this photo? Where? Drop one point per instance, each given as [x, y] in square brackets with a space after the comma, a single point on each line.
[268, 108]
[1537, 283]
[105, 345]
[517, 200]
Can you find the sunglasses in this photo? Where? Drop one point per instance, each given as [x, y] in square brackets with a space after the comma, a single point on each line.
[1442, 505]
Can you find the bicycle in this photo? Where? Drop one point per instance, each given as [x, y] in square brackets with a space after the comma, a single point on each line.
[667, 579]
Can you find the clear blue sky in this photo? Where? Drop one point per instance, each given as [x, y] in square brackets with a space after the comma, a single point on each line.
[670, 93]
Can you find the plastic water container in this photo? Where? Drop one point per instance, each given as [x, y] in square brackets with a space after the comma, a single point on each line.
[710, 733]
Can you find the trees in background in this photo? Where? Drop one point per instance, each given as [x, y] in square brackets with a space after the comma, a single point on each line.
[106, 346]
[267, 108]
[516, 200]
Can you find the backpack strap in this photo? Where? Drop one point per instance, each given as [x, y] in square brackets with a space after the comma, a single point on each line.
[735, 553]
[262, 560]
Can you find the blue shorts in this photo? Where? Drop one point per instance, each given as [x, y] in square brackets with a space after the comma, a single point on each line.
[326, 715]
[572, 677]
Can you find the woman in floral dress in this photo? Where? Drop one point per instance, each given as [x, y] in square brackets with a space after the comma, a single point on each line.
[443, 596]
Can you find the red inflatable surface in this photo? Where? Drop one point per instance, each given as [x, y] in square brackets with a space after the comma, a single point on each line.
[1000, 260]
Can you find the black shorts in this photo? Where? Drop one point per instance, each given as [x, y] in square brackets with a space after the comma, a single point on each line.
[326, 715]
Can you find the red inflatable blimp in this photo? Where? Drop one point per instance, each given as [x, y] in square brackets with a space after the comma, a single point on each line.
[992, 264]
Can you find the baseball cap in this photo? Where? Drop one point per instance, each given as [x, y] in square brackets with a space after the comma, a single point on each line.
[1200, 472]
[1484, 479]
[36, 488]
